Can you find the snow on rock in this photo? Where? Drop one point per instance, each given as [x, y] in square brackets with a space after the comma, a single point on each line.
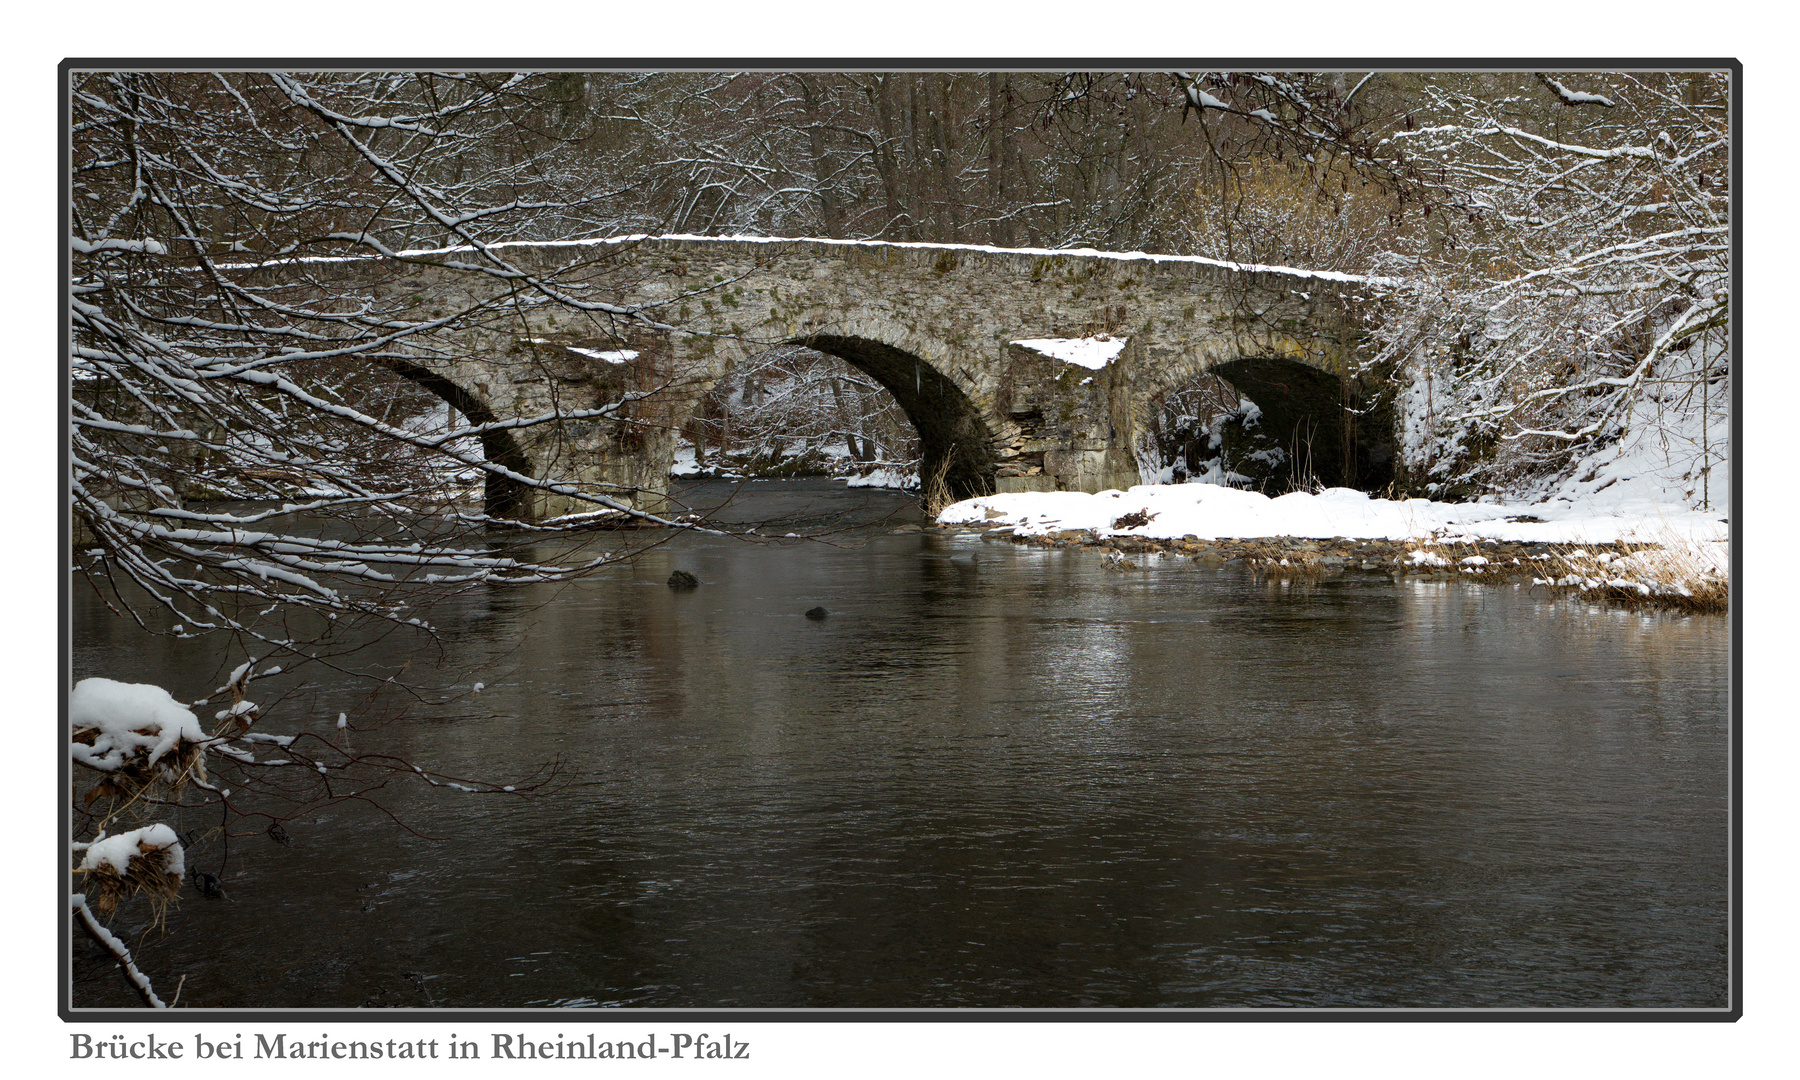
[1089, 352]
[611, 356]
[128, 719]
[1081, 252]
[116, 852]
[687, 463]
[900, 479]
[1210, 512]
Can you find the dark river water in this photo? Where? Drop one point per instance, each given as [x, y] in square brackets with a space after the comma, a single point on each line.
[992, 776]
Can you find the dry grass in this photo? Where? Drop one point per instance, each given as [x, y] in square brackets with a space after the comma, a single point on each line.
[934, 490]
[150, 874]
[1679, 573]
[184, 761]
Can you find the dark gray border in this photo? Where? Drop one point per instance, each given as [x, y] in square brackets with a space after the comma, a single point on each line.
[1735, 1011]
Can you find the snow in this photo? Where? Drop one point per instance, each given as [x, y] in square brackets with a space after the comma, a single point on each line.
[239, 709]
[1210, 512]
[146, 246]
[618, 356]
[1088, 352]
[1677, 567]
[1667, 454]
[1086, 253]
[118, 851]
[131, 718]
[1575, 97]
[900, 479]
[78, 904]
[687, 464]
[987, 249]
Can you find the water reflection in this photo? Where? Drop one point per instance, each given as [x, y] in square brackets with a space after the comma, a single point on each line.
[1007, 777]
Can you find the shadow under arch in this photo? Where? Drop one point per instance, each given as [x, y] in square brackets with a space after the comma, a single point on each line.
[1329, 429]
[502, 497]
[953, 436]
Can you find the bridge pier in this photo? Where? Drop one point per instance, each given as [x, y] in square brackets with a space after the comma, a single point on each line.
[1065, 426]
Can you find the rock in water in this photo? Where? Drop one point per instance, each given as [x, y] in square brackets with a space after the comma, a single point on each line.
[681, 579]
[817, 613]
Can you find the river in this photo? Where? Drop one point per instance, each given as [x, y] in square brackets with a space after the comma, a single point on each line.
[993, 775]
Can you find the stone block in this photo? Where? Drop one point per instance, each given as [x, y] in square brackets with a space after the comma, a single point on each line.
[1007, 485]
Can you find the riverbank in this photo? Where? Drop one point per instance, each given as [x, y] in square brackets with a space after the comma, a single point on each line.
[1651, 553]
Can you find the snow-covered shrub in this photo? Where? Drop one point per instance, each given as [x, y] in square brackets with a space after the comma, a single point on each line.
[1205, 432]
[1582, 270]
[147, 861]
[136, 734]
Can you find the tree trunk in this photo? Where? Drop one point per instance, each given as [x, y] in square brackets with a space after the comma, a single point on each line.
[829, 211]
[943, 131]
[885, 164]
[1000, 231]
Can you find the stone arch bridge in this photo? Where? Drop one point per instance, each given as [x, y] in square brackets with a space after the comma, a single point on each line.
[940, 326]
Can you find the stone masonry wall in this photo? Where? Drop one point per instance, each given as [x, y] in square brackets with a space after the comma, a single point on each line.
[934, 324]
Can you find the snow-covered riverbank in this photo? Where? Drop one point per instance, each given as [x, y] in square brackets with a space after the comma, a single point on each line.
[1212, 512]
[1653, 550]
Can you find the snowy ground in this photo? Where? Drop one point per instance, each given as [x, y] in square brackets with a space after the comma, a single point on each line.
[898, 478]
[1684, 557]
[1666, 456]
[1665, 484]
[687, 465]
[1648, 491]
[1212, 512]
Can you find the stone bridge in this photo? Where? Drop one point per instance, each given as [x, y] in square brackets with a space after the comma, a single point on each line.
[939, 326]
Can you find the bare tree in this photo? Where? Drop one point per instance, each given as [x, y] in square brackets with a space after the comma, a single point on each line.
[255, 450]
[1557, 245]
[210, 361]
[1588, 278]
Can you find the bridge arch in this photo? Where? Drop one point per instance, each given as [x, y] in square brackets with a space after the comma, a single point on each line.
[955, 440]
[502, 497]
[1320, 418]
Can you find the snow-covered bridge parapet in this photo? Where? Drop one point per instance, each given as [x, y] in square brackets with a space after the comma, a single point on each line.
[1022, 369]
